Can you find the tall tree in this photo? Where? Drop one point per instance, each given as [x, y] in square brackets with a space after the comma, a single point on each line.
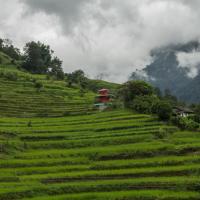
[56, 68]
[1, 44]
[37, 57]
[7, 47]
[129, 90]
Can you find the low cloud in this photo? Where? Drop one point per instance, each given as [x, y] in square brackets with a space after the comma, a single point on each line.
[69, 12]
[99, 36]
[190, 61]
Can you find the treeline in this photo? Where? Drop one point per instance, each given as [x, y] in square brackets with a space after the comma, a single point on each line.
[37, 58]
[8, 48]
[143, 98]
[79, 79]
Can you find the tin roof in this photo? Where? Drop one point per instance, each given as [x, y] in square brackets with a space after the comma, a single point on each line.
[183, 109]
[104, 89]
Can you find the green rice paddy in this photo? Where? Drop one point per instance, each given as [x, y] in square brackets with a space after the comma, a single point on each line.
[113, 155]
[19, 96]
[54, 146]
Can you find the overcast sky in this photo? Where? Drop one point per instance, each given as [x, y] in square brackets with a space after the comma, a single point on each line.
[113, 37]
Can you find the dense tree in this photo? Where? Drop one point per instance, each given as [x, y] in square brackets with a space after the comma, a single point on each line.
[8, 48]
[169, 97]
[164, 110]
[158, 92]
[131, 89]
[145, 104]
[1, 44]
[196, 115]
[37, 57]
[197, 109]
[56, 68]
[77, 77]
[185, 123]
[38, 86]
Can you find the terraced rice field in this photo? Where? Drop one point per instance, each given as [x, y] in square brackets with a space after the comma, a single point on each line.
[20, 98]
[112, 155]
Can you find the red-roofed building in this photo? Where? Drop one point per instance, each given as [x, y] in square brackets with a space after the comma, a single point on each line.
[103, 99]
[103, 96]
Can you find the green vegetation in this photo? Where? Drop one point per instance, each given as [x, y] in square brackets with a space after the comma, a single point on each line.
[5, 59]
[78, 78]
[42, 95]
[113, 155]
[7, 48]
[38, 59]
[26, 95]
[132, 89]
[141, 97]
[55, 146]
[164, 110]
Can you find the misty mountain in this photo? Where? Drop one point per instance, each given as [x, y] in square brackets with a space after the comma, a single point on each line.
[167, 73]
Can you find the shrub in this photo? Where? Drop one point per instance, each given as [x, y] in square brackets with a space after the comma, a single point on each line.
[2, 74]
[29, 124]
[82, 92]
[161, 134]
[131, 89]
[12, 76]
[165, 132]
[69, 84]
[164, 110]
[13, 62]
[33, 80]
[38, 85]
[48, 77]
[186, 123]
[116, 105]
[196, 118]
[144, 104]
[66, 113]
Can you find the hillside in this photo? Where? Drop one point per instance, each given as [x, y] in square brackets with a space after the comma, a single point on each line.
[20, 97]
[166, 72]
[55, 146]
[111, 155]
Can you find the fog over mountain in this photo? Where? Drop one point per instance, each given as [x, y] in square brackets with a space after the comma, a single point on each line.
[175, 68]
[112, 37]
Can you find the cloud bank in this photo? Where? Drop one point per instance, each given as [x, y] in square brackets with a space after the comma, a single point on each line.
[190, 61]
[112, 37]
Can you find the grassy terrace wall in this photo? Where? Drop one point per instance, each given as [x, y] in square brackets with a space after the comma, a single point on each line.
[19, 96]
[5, 59]
[106, 156]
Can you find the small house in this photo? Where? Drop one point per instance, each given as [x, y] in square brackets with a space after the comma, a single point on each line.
[103, 100]
[182, 111]
[103, 96]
